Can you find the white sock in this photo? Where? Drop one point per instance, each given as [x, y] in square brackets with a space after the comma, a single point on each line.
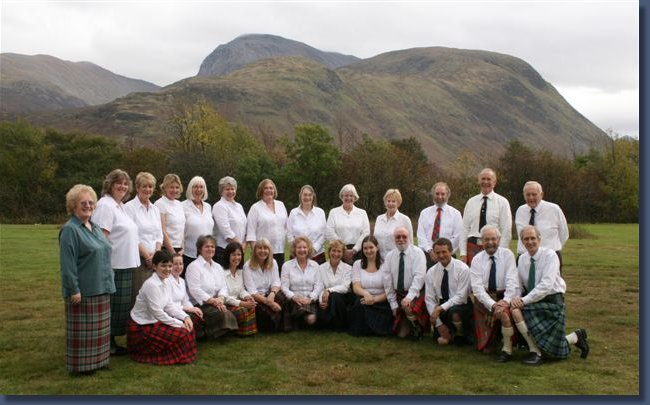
[507, 341]
[572, 338]
[529, 339]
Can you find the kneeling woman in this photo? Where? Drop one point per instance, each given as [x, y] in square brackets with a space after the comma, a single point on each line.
[238, 301]
[371, 313]
[207, 288]
[159, 331]
[334, 287]
[262, 282]
[300, 285]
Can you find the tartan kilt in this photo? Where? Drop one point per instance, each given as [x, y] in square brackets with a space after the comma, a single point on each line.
[121, 300]
[335, 316]
[217, 323]
[472, 250]
[88, 333]
[269, 320]
[376, 319]
[465, 312]
[545, 322]
[245, 320]
[294, 314]
[487, 328]
[159, 343]
[418, 308]
[140, 275]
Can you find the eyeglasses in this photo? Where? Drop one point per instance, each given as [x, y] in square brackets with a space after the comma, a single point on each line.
[88, 203]
[401, 237]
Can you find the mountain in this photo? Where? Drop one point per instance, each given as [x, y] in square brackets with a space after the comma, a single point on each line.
[450, 100]
[42, 82]
[249, 48]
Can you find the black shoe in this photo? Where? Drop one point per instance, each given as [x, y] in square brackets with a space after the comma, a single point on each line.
[582, 343]
[503, 357]
[118, 350]
[416, 332]
[533, 359]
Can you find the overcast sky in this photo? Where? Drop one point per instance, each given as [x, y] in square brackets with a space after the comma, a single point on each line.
[588, 50]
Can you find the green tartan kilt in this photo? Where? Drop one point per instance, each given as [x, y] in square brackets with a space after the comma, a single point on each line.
[545, 321]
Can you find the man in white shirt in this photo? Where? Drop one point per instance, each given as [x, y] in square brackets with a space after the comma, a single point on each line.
[405, 267]
[539, 312]
[495, 282]
[487, 207]
[440, 221]
[547, 217]
[447, 287]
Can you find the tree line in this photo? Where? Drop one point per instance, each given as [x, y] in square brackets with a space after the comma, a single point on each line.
[39, 165]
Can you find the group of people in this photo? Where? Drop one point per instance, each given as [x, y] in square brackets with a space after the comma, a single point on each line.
[166, 273]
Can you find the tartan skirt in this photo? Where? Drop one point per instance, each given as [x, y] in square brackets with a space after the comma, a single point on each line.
[159, 343]
[294, 315]
[418, 308]
[335, 316]
[269, 320]
[217, 323]
[121, 300]
[245, 320]
[487, 328]
[376, 319]
[88, 333]
[465, 313]
[545, 322]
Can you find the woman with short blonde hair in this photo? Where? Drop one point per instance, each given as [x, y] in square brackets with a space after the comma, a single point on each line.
[386, 223]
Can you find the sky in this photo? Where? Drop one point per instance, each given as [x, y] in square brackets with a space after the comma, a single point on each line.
[588, 50]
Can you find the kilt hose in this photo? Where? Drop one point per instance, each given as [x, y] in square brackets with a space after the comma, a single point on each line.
[88, 333]
[217, 323]
[245, 320]
[418, 308]
[365, 320]
[159, 343]
[121, 300]
[487, 328]
[545, 322]
[269, 321]
[335, 316]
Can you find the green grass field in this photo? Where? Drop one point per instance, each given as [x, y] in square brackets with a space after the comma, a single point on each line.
[602, 275]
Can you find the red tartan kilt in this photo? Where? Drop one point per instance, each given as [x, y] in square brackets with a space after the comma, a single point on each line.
[159, 343]
[487, 328]
[418, 308]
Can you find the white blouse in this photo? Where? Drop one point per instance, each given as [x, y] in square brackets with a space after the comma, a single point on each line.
[236, 290]
[123, 232]
[205, 280]
[175, 217]
[147, 218]
[384, 228]
[375, 283]
[179, 292]
[154, 304]
[295, 281]
[197, 224]
[258, 281]
[229, 221]
[264, 223]
[311, 225]
[350, 228]
[338, 282]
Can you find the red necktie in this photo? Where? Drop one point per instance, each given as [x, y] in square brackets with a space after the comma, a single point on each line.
[436, 226]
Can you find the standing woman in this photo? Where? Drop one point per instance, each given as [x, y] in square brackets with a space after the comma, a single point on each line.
[371, 313]
[334, 285]
[122, 233]
[348, 223]
[229, 218]
[160, 332]
[172, 217]
[267, 218]
[262, 282]
[198, 218]
[299, 284]
[150, 236]
[87, 282]
[238, 301]
[207, 288]
[309, 220]
[386, 223]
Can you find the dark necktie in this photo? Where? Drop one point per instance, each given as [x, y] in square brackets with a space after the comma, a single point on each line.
[531, 275]
[444, 286]
[436, 226]
[482, 219]
[492, 282]
[400, 274]
[532, 217]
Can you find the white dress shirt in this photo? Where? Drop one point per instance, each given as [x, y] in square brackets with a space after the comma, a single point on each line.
[258, 281]
[173, 212]
[229, 221]
[111, 216]
[295, 281]
[197, 224]
[178, 291]
[451, 227]
[547, 275]
[147, 218]
[549, 221]
[154, 304]
[459, 285]
[497, 214]
[350, 228]
[415, 267]
[334, 282]
[507, 278]
[205, 280]
[384, 228]
[311, 225]
[375, 283]
[236, 290]
[264, 223]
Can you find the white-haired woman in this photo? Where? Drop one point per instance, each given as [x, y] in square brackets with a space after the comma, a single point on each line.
[198, 217]
[348, 223]
[386, 223]
[229, 218]
[308, 220]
